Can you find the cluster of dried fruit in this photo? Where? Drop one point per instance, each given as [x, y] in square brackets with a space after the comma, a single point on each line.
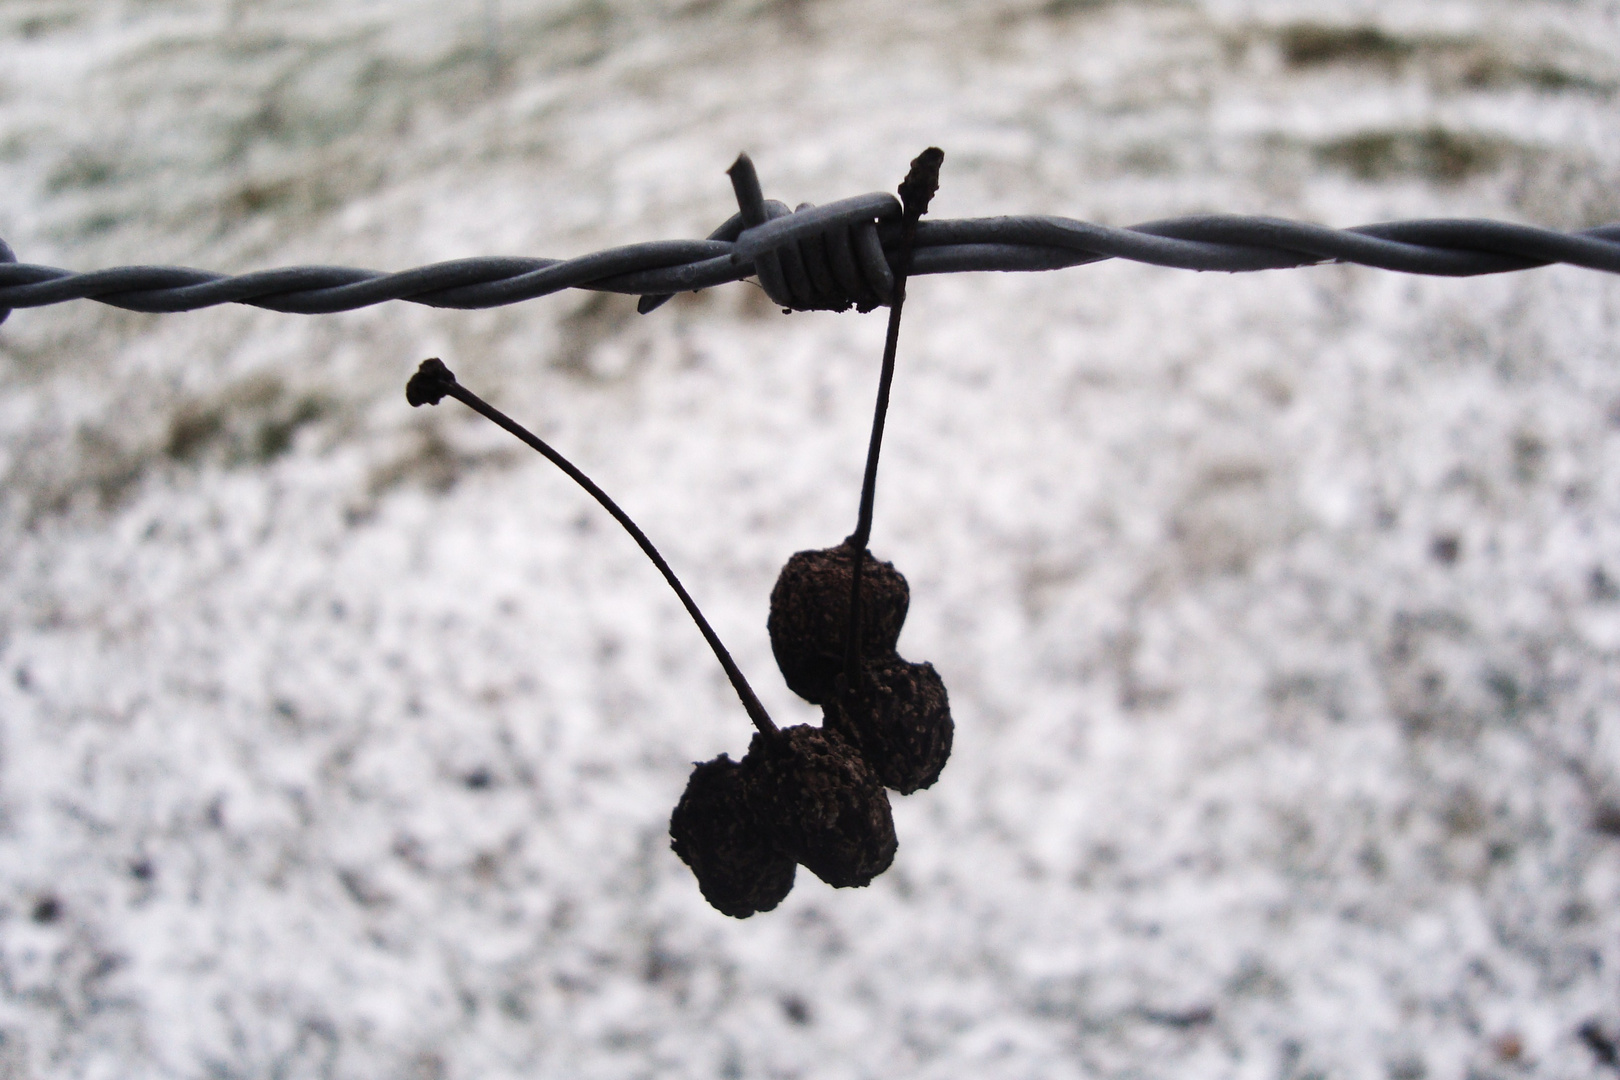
[815, 796]
[805, 795]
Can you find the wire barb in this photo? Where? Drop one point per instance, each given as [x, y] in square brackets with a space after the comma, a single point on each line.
[830, 258]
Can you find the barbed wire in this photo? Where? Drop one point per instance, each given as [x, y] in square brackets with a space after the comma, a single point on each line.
[830, 258]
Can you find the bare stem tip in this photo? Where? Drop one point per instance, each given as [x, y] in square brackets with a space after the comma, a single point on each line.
[430, 384]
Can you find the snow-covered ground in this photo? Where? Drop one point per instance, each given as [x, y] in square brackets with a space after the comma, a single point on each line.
[1280, 612]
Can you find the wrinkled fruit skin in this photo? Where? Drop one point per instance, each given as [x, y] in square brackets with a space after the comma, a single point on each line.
[821, 803]
[713, 831]
[809, 617]
[899, 718]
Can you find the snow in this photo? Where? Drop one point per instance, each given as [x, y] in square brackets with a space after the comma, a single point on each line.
[1278, 611]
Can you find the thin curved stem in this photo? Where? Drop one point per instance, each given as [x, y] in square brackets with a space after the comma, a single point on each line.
[915, 192]
[434, 381]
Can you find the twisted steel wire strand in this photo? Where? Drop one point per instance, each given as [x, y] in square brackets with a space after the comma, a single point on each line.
[830, 257]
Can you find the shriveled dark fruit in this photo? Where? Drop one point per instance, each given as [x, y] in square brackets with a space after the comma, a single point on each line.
[809, 621]
[899, 718]
[821, 803]
[712, 829]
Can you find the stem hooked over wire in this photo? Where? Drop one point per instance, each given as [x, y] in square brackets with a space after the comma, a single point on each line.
[916, 191]
[433, 382]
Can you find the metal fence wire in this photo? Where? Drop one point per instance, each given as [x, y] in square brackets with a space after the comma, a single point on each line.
[830, 258]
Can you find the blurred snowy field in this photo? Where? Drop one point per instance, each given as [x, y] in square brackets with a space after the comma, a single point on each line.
[1280, 612]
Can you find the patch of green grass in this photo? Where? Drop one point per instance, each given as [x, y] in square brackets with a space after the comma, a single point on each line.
[1313, 44]
[1057, 9]
[1458, 61]
[252, 424]
[79, 170]
[434, 463]
[1434, 153]
[1488, 71]
[37, 26]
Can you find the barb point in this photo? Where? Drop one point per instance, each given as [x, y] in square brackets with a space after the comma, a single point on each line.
[918, 188]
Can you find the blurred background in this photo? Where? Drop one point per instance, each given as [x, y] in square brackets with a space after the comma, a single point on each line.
[1280, 612]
